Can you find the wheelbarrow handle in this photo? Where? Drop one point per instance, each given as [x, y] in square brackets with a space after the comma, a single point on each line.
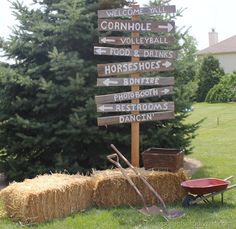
[228, 178]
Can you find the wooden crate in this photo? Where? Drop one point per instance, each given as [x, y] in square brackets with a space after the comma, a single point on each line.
[165, 159]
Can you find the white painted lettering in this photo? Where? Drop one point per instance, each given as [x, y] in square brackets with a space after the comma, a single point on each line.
[118, 107]
[113, 68]
[138, 118]
[104, 25]
[142, 66]
[158, 64]
[125, 68]
[124, 40]
[117, 26]
[155, 92]
[107, 69]
[148, 26]
[125, 81]
[151, 80]
[165, 106]
[132, 118]
[147, 65]
[126, 26]
[119, 68]
[109, 13]
[121, 119]
[157, 80]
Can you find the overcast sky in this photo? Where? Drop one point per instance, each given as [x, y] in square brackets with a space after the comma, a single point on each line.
[200, 17]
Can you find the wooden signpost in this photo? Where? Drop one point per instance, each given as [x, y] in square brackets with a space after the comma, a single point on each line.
[164, 61]
[112, 69]
[136, 26]
[158, 40]
[130, 107]
[135, 125]
[141, 94]
[124, 12]
[152, 53]
[144, 117]
[144, 81]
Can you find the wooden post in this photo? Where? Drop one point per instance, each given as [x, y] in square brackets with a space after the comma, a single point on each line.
[135, 125]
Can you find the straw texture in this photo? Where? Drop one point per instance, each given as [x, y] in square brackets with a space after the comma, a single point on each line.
[47, 197]
[53, 196]
[112, 188]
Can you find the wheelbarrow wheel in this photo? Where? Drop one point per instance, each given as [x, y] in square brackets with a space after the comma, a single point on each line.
[186, 202]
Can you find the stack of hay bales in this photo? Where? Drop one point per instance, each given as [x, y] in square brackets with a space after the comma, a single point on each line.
[47, 197]
[112, 188]
[54, 196]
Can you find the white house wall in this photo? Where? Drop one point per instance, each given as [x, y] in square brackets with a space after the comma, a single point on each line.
[227, 61]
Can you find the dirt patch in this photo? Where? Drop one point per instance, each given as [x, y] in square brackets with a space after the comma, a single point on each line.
[191, 165]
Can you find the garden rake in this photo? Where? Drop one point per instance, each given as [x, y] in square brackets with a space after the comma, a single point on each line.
[153, 210]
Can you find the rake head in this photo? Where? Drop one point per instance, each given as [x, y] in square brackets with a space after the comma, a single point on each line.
[167, 214]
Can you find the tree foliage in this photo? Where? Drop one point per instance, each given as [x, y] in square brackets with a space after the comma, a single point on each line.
[186, 74]
[48, 114]
[224, 91]
[209, 75]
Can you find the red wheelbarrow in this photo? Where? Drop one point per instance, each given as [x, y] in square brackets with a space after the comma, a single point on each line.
[204, 189]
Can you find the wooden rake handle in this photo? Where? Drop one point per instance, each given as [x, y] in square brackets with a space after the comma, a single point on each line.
[119, 154]
[116, 162]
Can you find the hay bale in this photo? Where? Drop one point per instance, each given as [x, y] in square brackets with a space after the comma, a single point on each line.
[112, 189]
[47, 197]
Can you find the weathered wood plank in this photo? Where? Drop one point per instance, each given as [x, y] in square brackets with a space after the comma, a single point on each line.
[144, 81]
[157, 40]
[148, 53]
[136, 26]
[129, 107]
[144, 117]
[141, 94]
[135, 67]
[128, 12]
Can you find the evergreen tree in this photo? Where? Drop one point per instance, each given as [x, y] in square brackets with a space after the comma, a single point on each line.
[209, 75]
[48, 115]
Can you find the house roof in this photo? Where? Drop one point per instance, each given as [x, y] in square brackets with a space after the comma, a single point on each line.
[225, 46]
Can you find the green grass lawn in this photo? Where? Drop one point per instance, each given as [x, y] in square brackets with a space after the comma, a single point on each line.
[214, 146]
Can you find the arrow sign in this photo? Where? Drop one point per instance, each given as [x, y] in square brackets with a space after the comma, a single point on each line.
[124, 96]
[168, 27]
[110, 51]
[104, 108]
[110, 82]
[167, 64]
[99, 51]
[107, 40]
[134, 67]
[135, 26]
[145, 117]
[165, 91]
[145, 81]
[130, 107]
[124, 12]
[157, 40]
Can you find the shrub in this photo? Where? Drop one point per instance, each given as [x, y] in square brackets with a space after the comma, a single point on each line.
[224, 91]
